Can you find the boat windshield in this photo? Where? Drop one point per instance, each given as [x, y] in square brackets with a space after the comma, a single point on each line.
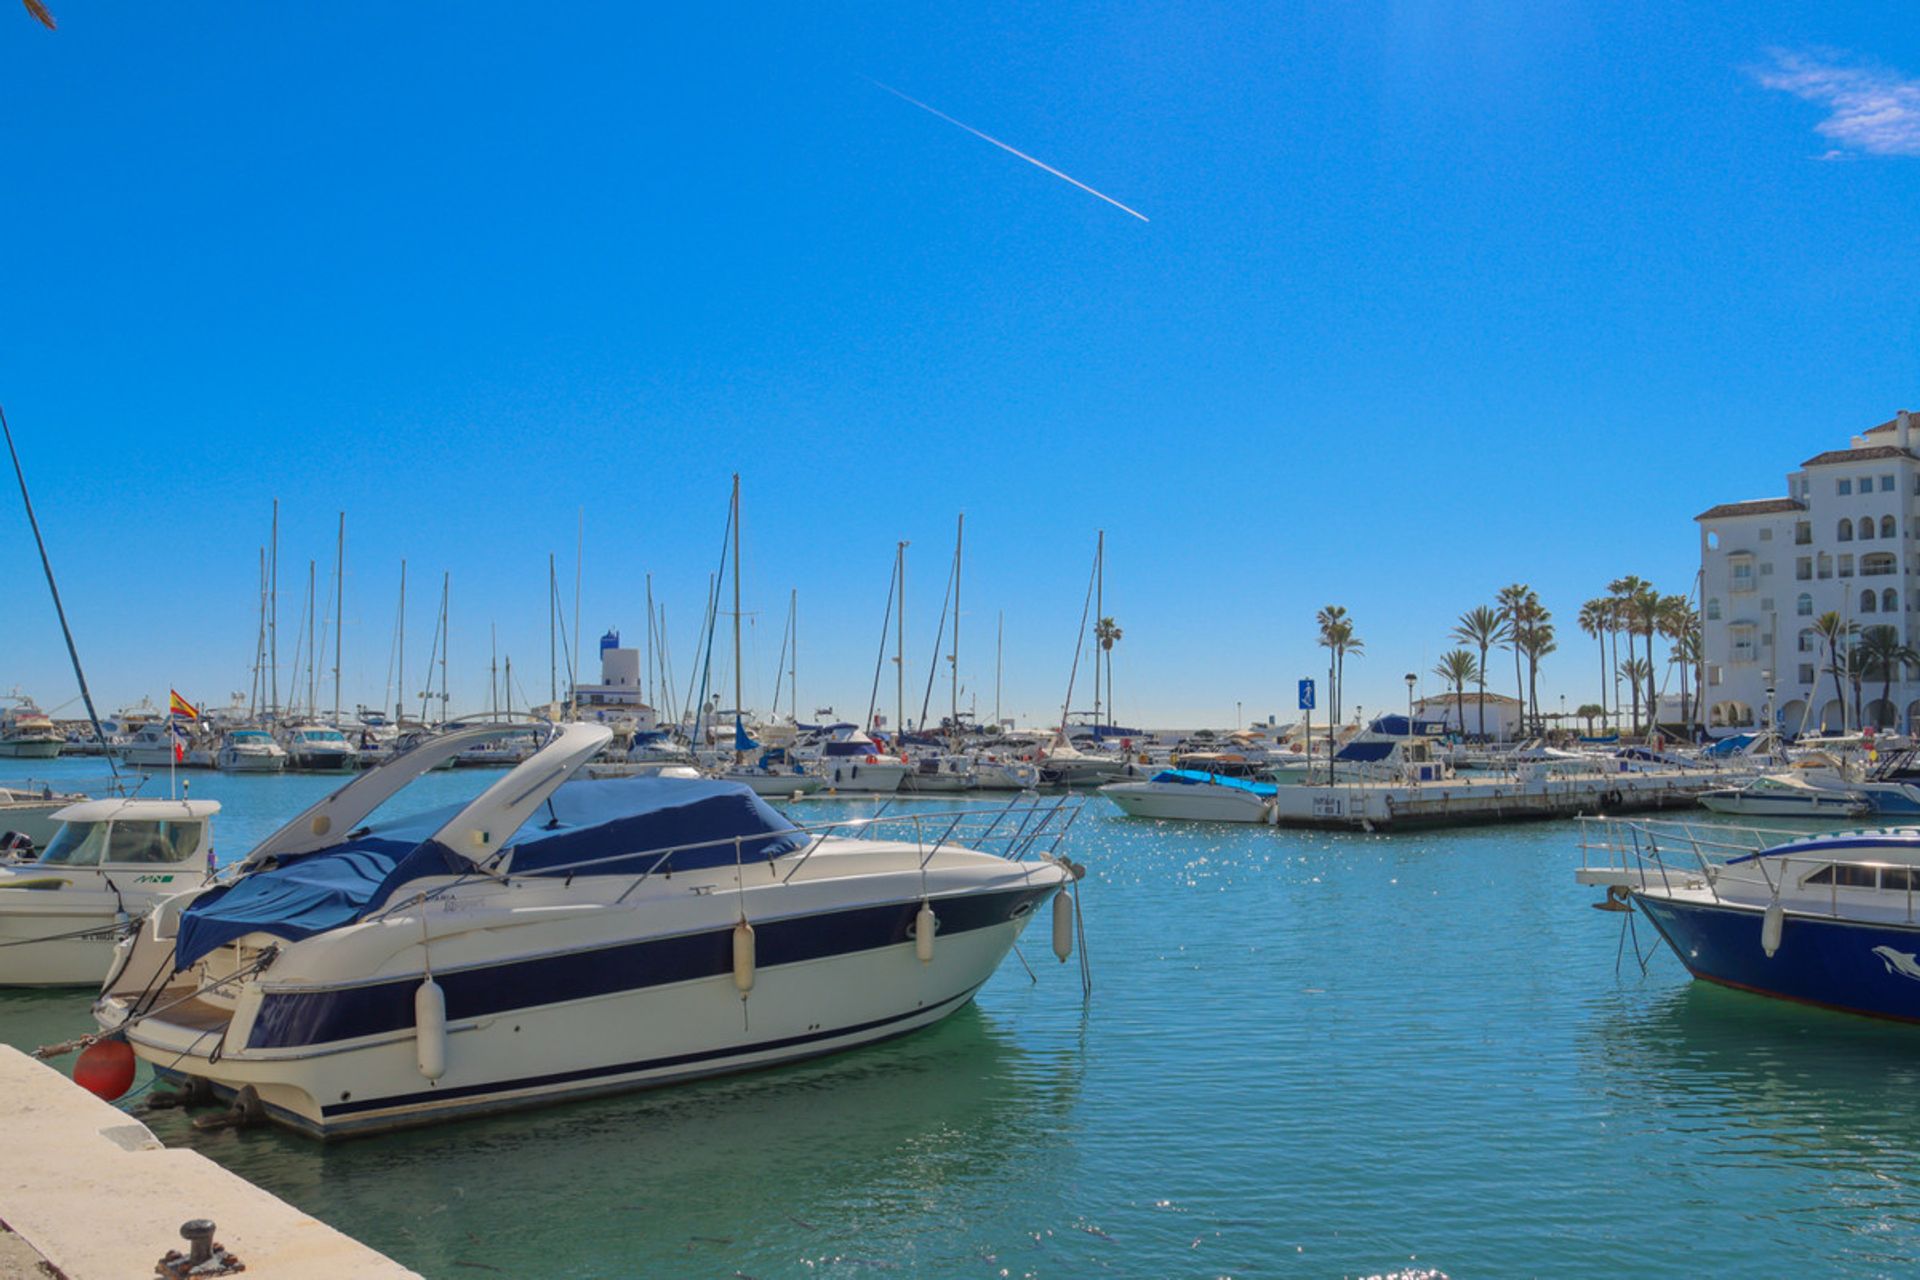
[152, 841]
[321, 735]
[251, 736]
[77, 844]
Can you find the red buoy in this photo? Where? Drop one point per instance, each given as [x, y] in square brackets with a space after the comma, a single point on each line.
[105, 1068]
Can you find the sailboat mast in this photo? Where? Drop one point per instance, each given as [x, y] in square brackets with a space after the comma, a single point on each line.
[273, 612]
[400, 661]
[339, 608]
[579, 555]
[313, 695]
[493, 669]
[553, 651]
[900, 639]
[736, 605]
[1099, 605]
[793, 654]
[259, 646]
[446, 590]
[999, 659]
[959, 537]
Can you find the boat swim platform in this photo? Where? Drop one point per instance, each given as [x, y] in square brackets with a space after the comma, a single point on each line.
[1469, 801]
[87, 1188]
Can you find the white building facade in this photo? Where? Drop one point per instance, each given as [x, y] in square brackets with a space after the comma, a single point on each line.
[1845, 540]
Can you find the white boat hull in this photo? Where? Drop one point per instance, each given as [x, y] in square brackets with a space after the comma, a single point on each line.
[1196, 802]
[1835, 806]
[778, 786]
[250, 762]
[882, 777]
[30, 749]
[577, 1048]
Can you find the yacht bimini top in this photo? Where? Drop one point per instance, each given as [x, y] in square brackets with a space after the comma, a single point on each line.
[1198, 777]
[297, 883]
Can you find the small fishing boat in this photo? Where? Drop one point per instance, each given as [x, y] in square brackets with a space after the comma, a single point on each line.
[554, 939]
[105, 867]
[159, 744]
[1194, 795]
[1826, 920]
[1785, 796]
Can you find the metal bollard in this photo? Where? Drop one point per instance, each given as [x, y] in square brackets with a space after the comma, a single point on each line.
[199, 1235]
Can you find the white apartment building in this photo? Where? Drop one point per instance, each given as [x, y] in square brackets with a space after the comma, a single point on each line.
[1845, 539]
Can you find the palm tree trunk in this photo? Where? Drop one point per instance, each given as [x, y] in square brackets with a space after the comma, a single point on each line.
[1839, 690]
[1483, 692]
[1460, 705]
[1519, 686]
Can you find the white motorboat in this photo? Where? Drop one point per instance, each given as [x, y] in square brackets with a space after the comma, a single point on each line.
[250, 751]
[938, 772]
[851, 761]
[28, 733]
[105, 867]
[1786, 796]
[556, 939]
[772, 781]
[28, 812]
[313, 747]
[995, 772]
[1193, 795]
[1065, 765]
[158, 744]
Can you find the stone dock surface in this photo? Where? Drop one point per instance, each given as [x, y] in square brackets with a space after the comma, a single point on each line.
[89, 1189]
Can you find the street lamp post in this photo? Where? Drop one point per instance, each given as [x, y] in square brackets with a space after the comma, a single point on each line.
[1410, 682]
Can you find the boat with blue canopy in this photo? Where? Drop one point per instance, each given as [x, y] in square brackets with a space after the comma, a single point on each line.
[557, 937]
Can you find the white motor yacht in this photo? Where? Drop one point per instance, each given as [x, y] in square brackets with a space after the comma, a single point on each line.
[1194, 795]
[313, 747]
[105, 867]
[1786, 796]
[27, 811]
[250, 751]
[160, 745]
[28, 733]
[938, 772]
[554, 939]
[851, 761]
[1065, 765]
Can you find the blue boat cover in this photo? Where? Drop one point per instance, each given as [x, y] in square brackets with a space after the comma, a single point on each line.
[1365, 752]
[624, 825]
[1195, 776]
[1730, 746]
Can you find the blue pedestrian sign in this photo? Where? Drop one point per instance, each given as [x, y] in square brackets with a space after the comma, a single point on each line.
[1306, 695]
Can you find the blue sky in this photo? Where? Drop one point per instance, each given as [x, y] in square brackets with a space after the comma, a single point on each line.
[1432, 298]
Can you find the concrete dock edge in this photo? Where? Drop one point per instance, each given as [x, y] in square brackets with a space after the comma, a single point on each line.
[95, 1194]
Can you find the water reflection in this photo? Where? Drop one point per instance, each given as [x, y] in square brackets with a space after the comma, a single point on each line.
[879, 1155]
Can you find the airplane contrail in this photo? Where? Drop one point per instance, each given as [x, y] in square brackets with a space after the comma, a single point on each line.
[1038, 164]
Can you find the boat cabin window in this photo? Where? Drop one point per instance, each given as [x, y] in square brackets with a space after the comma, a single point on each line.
[152, 841]
[251, 735]
[77, 844]
[1902, 879]
[1846, 875]
[848, 749]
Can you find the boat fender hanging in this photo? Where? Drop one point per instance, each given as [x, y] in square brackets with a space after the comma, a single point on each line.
[873, 760]
[1062, 926]
[743, 957]
[430, 1029]
[1772, 924]
[924, 924]
[105, 1068]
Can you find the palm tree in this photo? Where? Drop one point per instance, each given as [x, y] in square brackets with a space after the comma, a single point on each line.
[1885, 655]
[1643, 616]
[1517, 604]
[1678, 622]
[1483, 628]
[1456, 667]
[1633, 671]
[1624, 590]
[1595, 619]
[1834, 631]
[1338, 639]
[1107, 632]
[1587, 711]
[1538, 641]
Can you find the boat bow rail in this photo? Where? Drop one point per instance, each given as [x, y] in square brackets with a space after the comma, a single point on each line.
[1751, 866]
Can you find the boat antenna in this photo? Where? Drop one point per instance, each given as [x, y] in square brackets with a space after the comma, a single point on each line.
[939, 637]
[1080, 641]
[86, 695]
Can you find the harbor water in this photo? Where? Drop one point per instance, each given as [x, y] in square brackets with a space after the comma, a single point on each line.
[1305, 1054]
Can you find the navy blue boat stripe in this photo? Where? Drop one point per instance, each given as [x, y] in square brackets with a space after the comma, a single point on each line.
[626, 1068]
[302, 1019]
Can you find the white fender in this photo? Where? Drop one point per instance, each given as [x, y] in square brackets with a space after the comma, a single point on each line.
[430, 1029]
[743, 957]
[1771, 926]
[924, 924]
[1062, 926]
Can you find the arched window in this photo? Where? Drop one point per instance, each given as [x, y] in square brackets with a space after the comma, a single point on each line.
[1713, 609]
[1866, 528]
[1804, 605]
[1889, 601]
[1846, 529]
[1869, 602]
[1887, 527]
[1809, 641]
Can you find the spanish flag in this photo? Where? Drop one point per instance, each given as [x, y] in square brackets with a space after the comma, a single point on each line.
[179, 706]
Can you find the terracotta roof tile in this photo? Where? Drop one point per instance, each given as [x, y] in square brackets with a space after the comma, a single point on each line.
[1857, 455]
[1757, 507]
